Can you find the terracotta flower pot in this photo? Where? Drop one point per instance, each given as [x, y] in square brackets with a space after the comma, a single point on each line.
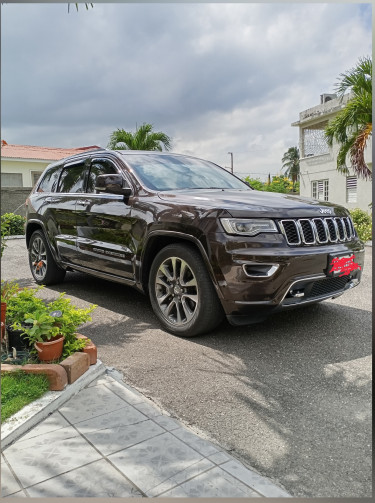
[50, 350]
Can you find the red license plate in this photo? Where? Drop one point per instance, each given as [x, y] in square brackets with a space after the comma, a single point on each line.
[342, 265]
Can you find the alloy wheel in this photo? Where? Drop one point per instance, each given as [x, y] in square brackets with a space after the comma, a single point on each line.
[176, 290]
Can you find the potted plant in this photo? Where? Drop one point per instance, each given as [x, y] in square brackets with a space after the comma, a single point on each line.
[19, 304]
[50, 325]
[44, 334]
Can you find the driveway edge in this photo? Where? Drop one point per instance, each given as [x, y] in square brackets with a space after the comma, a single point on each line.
[32, 414]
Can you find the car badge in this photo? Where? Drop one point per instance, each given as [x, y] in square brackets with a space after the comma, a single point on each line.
[326, 211]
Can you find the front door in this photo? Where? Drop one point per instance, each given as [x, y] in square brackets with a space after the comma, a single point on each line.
[104, 226]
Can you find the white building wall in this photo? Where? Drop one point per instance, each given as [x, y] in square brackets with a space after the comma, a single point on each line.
[324, 167]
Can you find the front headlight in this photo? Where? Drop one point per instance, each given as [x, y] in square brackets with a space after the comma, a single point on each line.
[248, 226]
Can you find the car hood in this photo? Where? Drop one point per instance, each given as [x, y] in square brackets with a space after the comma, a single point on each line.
[241, 203]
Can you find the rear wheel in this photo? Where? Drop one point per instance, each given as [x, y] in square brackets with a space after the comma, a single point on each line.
[181, 292]
[42, 264]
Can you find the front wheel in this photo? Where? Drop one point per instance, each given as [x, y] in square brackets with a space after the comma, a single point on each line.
[181, 292]
[42, 264]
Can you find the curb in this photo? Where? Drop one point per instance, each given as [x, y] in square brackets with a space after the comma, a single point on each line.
[32, 414]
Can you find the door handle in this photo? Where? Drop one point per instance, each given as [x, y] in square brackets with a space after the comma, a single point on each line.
[85, 202]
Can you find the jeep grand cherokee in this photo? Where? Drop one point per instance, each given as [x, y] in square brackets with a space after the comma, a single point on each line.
[197, 239]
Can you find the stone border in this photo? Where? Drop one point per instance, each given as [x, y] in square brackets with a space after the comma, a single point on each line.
[32, 414]
[63, 373]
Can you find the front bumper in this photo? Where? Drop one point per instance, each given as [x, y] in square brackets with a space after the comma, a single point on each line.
[256, 279]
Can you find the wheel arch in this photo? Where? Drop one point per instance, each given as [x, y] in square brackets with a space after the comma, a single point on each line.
[160, 239]
[37, 225]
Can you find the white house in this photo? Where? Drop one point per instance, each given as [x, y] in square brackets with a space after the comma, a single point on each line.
[21, 165]
[319, 177]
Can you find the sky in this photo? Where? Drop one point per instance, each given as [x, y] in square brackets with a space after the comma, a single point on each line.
[215, 77]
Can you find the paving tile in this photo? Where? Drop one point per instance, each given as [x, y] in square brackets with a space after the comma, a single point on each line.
[262, 485]
[154, 461]
[148, 409]
[166, 422]
[52, 423]
[214, 483]
[46, 456]
[124, 392]
[114, 439]
[120, 417]
[201, 445]
[182, 476]
[89, 403]
[104, 379]
[20, 494]
[219, 458]
[9, 484]
[96, 480]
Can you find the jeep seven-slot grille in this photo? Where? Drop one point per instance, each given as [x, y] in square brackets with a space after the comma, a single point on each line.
[317, 231]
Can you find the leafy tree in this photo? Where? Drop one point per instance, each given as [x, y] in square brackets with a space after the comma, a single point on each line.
[144, 138]
[352, 126]
[290, 162]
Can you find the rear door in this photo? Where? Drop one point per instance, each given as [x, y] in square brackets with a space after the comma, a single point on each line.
[104, 226]
[60, 215]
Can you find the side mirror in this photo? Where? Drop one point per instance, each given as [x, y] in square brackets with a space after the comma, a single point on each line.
[112, 184]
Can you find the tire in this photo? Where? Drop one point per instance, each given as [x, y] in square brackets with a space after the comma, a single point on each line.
[181, 292]
[43, 267]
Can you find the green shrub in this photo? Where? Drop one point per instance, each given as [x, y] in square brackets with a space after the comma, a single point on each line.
[256, 183]
[362, 223]
[13, 223]
[281, 184]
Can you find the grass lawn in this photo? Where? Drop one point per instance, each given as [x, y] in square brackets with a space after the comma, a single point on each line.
[19, 389]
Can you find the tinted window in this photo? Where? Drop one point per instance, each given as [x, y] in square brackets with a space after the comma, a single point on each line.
[168, 172]
[49, 180]
[73, 179]
[99, 168]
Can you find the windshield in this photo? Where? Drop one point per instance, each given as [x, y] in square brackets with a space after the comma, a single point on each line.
[170, 172]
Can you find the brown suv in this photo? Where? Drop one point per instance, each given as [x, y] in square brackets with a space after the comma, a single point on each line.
[198, 240]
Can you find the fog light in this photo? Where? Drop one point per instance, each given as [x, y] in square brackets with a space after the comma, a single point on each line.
[296, 293]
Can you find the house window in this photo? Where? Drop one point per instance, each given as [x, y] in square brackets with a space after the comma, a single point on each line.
[351, 189]
[35, 177]
[314, 141]
[319, 190]
[11, 180]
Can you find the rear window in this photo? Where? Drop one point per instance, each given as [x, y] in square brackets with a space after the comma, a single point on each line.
[49, 180]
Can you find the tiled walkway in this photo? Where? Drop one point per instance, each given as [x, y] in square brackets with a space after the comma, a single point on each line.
[109, 441]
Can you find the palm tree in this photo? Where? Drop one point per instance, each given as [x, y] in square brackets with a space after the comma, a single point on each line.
[290, 162]
[352, 126]
[144, 138]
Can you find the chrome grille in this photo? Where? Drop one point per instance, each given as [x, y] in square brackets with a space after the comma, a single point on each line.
[312, 231]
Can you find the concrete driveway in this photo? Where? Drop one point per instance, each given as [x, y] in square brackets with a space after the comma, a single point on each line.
[290, 397]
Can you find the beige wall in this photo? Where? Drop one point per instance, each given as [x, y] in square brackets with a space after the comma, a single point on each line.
[24, 167]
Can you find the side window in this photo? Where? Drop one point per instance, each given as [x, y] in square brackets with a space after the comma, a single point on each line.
[102, 167]
[73, 179]
[49, 180]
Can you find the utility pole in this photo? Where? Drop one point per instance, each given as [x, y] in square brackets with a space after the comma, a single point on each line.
[231, 162]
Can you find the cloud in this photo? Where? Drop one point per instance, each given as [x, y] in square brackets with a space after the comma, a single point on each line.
[215, 77]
